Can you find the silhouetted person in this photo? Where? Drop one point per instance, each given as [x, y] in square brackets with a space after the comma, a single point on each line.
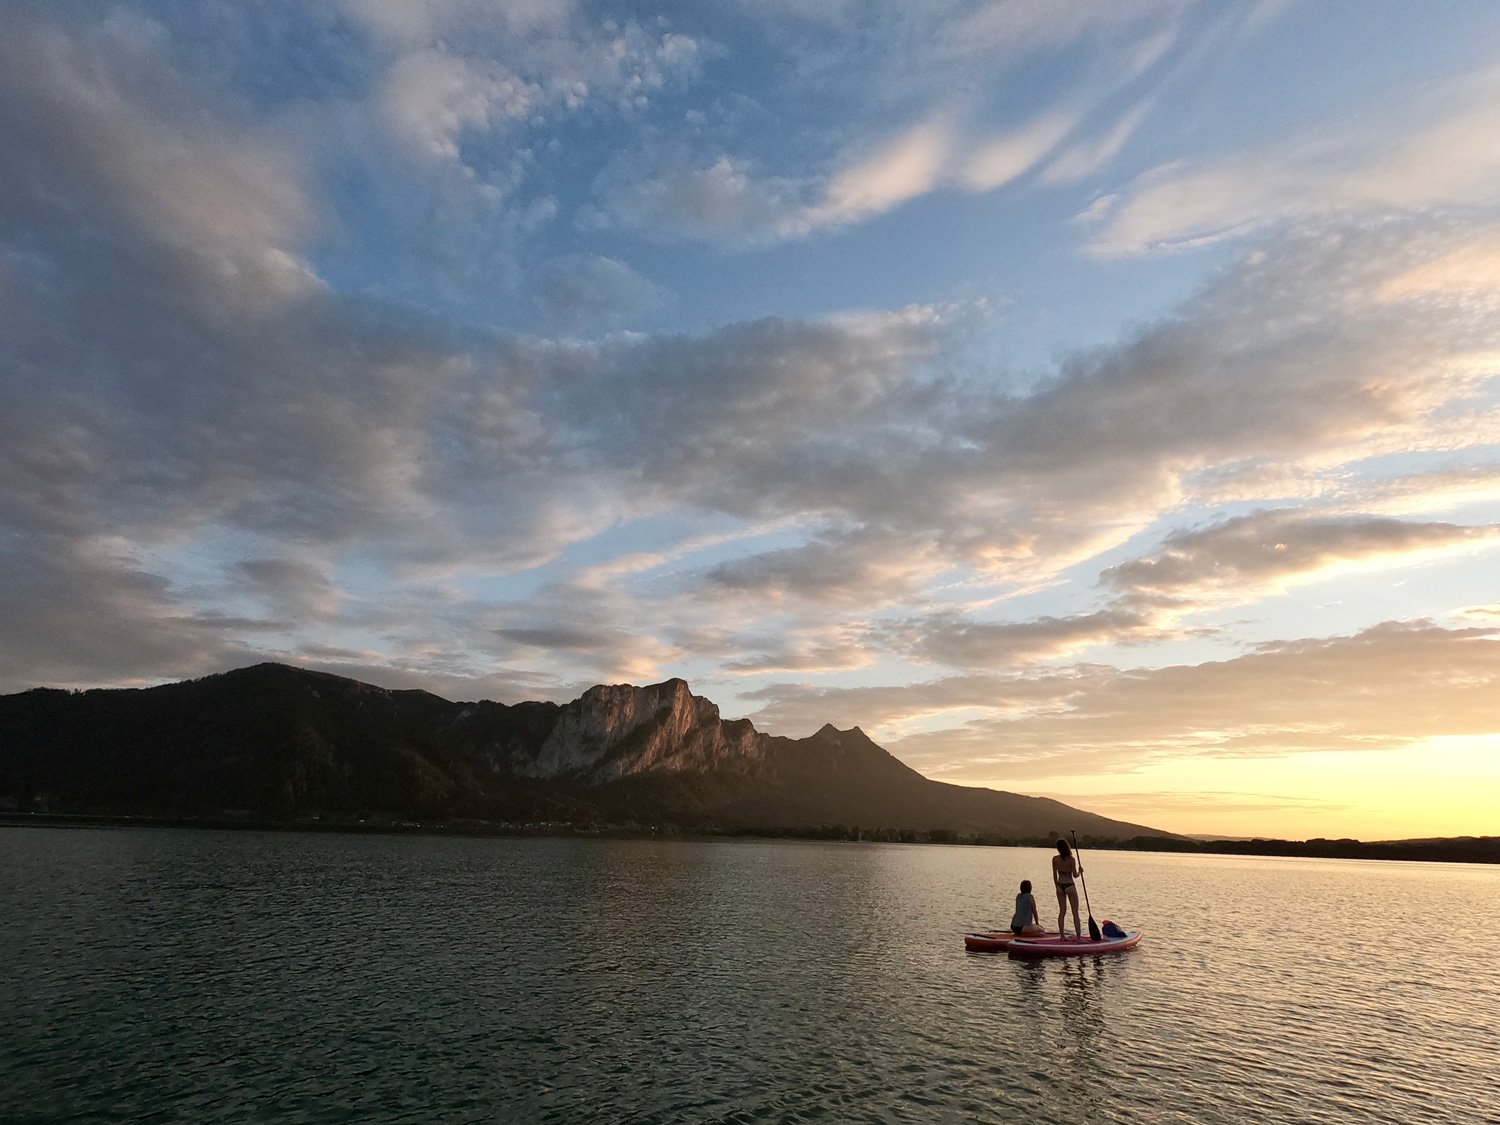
[1024, 922]
[1064, 870]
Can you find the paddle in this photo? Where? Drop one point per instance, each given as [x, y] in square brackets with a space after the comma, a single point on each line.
[1093, 925]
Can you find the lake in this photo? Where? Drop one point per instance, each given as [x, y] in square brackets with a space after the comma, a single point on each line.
[195, 976]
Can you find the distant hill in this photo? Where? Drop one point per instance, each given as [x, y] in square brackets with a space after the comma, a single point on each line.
[1446, 849]
[282, 743]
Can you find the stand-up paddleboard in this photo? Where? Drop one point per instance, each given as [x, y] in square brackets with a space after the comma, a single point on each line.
[1054, 946]
[996, 941]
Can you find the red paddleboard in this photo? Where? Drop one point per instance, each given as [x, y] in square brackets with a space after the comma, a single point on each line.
[1054, 946]
[994, 941]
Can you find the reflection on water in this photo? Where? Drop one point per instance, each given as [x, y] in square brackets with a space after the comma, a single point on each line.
[227, 977]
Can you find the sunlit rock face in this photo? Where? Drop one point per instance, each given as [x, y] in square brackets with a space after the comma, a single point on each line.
[615, 730]
[286, 743]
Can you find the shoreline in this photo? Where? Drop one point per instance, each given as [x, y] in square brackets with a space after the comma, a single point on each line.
[1463, 849]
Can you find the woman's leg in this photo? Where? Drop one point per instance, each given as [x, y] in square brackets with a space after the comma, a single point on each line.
[1062, 910]
[1073, 901]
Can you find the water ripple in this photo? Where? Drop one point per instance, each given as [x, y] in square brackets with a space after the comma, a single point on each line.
[234, 977]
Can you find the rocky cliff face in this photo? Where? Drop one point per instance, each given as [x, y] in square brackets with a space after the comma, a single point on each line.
[617, 730]
[287, 743]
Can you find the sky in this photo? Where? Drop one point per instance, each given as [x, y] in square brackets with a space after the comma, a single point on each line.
[1094, 399]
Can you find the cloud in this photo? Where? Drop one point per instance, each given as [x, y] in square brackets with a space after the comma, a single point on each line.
[805, 651]
[100, 126]
[198, 375]
[84, 610]
[1246, 558]
[797, 709]
[1022, 487]
[865, 569]
[440, 124]
[671, 191]
[443, 453]
[958, 641]
[1016, 30]
[1444, 154]
[665, 189]
[487, 104]
[404, 24]
[1085, 158]
[1469, 272]
[1391, 685]
[586, 632]
[453, 676]
[708, 191]
[735, 420]
[561, 55]
[588, 288]
[430, 97]
[1238, 561]
[1437, 491]
[907, 166]
[888, 53]
[999, 160]
[179, 377]
[296, 590]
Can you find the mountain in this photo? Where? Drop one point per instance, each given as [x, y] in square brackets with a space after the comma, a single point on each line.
[278, 742]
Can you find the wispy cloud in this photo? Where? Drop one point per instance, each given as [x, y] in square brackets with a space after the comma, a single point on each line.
[670, 191]
[1087, 157]
[1246, 558]
[949, 55]
[996, 161]
[1388, 686]
[908, 166]
[1444, 153]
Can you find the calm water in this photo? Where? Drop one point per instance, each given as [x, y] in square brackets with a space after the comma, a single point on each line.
[234, 977]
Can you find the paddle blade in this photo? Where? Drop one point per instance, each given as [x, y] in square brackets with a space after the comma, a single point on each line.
[1094, 929]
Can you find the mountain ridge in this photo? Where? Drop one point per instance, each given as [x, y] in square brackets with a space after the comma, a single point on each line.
[275, 740]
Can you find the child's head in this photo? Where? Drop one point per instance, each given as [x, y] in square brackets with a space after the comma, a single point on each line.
[1025, 886]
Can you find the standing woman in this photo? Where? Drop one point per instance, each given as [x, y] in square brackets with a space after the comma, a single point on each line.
[1064, 870]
